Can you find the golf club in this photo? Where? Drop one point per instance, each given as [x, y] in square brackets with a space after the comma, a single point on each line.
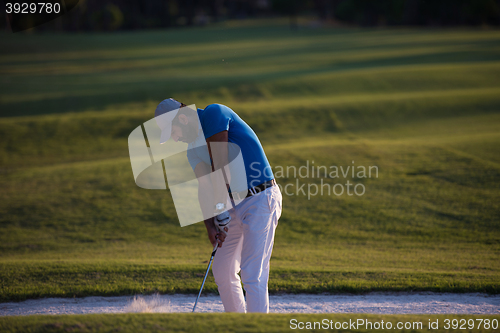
[206, 273]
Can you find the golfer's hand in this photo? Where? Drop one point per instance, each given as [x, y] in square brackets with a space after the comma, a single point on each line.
[215, 236]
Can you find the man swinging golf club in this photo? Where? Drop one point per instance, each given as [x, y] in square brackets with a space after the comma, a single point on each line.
[247, 227]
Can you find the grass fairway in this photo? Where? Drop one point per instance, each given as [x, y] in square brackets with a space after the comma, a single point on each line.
[247, 323]
[422, 106]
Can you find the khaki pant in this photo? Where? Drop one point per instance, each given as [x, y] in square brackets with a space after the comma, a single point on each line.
[248, 248]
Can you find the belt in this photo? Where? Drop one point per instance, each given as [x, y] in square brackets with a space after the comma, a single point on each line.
[254, 190]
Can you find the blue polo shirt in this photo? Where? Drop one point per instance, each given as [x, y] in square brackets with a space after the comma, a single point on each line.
[216, 118]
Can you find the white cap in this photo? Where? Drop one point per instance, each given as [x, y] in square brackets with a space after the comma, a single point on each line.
[164, 114]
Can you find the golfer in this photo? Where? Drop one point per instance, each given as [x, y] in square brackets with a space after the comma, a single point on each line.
[248, 239]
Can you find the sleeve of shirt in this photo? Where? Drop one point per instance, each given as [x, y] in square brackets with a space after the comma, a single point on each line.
[193, 158]
[215, 119]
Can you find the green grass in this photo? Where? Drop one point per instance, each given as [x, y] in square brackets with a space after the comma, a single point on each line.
[236, 323]
[79, 279]
[421, 105]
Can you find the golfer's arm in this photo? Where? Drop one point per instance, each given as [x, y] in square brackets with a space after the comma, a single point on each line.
[204, 193]
[219, 154]
[202, 170]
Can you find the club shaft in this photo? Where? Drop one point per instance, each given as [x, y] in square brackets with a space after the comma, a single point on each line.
[206, 273]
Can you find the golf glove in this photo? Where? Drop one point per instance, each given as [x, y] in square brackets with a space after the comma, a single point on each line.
[222, 220]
